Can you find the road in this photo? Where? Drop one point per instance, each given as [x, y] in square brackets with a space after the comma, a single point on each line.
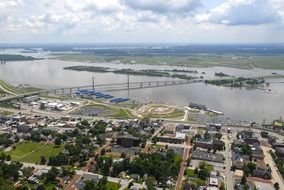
[186, 113]
[149, 141]
[4, 88]
[276, 176]
[228, 164]
[71, 184]
[183, 166]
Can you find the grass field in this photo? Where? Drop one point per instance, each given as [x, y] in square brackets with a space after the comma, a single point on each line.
[123, 113]
[190, 173]
[112, 186]
[175, 114]
[31, 151]
[22, 149]
[5, 113]
[198, 60]
[9, 89]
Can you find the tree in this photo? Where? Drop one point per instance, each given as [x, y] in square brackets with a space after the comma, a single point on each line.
[244, 180]
[150, 182]
[218, 136]
[57, 141]
[51, 174]
[8, 158]
[248, 168]
[42, 160]
[155, 140]
[276, 186]
[90, 185]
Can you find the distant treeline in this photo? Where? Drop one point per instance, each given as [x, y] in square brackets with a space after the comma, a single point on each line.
[8, 57]
[237, 82]
[147, 72]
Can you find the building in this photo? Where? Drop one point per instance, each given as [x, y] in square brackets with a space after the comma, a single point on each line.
[244, 134]
[213, 181]
[210, 144]
[239, 160]
[252, 140]
[170, 139]
[128, 141]
[264, 134]
[215, 126]
[81, 183]
[204, 155]
[262, 173]
[30, 99]
[257, 153]
[279, 152]
[23, 128]
[181, 127]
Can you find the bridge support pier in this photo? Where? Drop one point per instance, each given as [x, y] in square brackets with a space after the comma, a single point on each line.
[141, 85]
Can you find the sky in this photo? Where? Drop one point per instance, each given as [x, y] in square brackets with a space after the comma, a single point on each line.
[142, 21]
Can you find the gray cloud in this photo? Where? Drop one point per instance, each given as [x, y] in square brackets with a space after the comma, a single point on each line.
[164, 6]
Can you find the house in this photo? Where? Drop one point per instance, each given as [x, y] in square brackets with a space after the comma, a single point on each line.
[271, 140]
[260, 173]
[245, 134]
[23, 128]
[81, 183]
[239, 160]
[210, 144]
[257, 153]
[170, 139]
[215, 126]
[262, 170]
[128, 141]
[264, 134]
[204, 155]
[279, 152]
[182, 127]
[252, 140]
[213, 181]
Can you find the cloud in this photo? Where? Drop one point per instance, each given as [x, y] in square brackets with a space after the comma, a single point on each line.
[7, 7]
[242, 12]
[164, 6]
[101, 6]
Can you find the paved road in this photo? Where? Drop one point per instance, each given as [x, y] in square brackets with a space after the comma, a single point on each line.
[149, 141]
[228, 164]
[182, 169]
[276, 176]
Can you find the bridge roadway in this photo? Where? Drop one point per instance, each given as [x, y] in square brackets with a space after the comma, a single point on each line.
[104, 87]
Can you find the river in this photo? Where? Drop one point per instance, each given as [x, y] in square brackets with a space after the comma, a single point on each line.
[239, 104]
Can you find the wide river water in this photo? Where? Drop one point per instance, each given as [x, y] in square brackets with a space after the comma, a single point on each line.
[238, 104]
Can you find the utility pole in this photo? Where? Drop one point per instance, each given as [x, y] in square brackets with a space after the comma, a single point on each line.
[93, 80]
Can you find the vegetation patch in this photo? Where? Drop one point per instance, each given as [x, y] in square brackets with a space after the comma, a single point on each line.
[32, 151]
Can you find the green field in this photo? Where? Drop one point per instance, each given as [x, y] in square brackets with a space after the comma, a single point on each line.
[190, 173]
[123, 113]
[31, 152]
[110, 111]
[112, 186]
[5, 113]
[9, 89]
[173, 115]
[199, 60]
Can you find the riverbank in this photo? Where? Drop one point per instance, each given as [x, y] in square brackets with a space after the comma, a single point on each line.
[241, 61]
